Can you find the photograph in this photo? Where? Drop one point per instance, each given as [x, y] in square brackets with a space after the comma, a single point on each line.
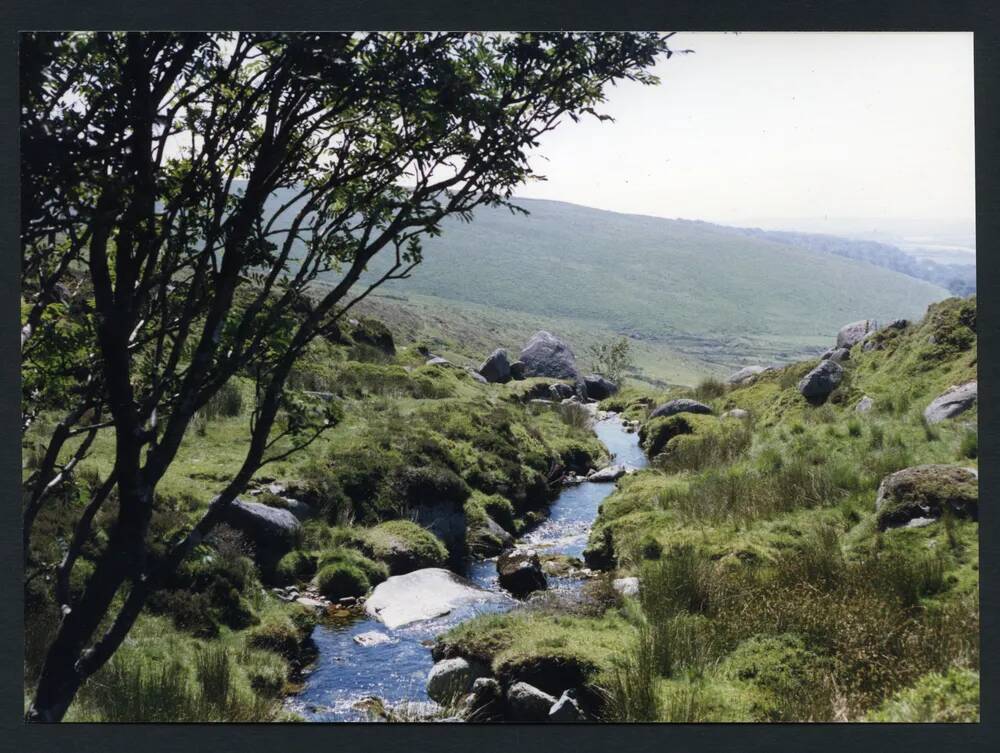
[498, 377]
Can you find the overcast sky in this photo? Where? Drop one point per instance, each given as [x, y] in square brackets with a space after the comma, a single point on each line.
[771, 128]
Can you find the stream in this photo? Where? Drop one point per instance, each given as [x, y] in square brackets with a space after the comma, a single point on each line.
[396, 670]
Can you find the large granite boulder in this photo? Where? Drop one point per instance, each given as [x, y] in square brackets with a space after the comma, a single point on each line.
[424, 595]
[517, 370]
[745, 375]
[853, 333]
[526, 703]
[598, 388]
[680, 405]
[272, 530]
[955, 400]
[923, 493]
[496, 367]
[822, 380]
[545, 355]
[520, 572]
[452, 678]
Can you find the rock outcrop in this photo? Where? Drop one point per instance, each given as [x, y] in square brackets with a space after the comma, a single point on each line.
[526, 703]
[821, 381]
[924, 493]
[680, 405]
[496, 368]
[598, 388]
[853, 333]
[272, 530]
[520, 572]
[954, 401]
[745, 375]
[545, 355]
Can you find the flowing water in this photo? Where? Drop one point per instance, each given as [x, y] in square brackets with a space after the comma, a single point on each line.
[396, 670]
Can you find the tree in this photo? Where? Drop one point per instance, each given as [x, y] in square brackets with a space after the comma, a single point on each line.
[181, 193]
[612, 358]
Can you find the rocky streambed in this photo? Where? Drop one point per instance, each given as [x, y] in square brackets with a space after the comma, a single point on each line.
[380, 658]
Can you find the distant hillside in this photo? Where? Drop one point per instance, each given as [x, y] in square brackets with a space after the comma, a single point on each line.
[717, 294]
[959, 279]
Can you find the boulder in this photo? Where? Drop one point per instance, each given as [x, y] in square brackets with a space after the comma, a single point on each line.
[561, 391]
[372, 638]
[896, 324]
[437, 361]
[485, 702]
[838, 355]
[745, 375]
[957, 399]
[547, 356]
[526, 703]
[273, 530]
[517, 370]
[853, 333]
[611, 473]
[520, 572]
[924, 492]
[680, 405]
[597, 387]
[865, 404]
[496, 367]
[566, 709]
[451, 678]
[488, 539]
[736, 413]
[477, 376]
[600, 551]
[423, 595]
[822, 380]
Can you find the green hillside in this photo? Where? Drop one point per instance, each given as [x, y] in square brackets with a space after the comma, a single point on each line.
[707, 291]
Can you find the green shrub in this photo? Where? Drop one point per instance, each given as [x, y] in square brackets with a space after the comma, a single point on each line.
[294, 567]
[935, 697]
[709, 389]
[631, 693]
[969, 445]
[347, 573]
[787, 679]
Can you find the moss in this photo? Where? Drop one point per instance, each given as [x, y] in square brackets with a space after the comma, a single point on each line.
[346, 572]
[783, 676]
[402, 545]
[548, 649]
[935, 697]
[654, 435]
[928, 490]
[341, 579]
[295, 567]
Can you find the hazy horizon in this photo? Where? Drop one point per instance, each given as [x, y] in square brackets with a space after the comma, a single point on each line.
[781, 130]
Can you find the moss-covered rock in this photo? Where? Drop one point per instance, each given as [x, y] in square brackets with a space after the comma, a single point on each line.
[346, 572]
[926, 492]
[654, 434]
[402, 545]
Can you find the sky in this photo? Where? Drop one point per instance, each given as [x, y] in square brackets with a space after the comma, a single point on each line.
[783, 130]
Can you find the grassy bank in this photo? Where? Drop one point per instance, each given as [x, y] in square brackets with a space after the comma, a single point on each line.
[768, 592]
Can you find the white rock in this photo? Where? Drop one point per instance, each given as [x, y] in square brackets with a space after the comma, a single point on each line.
[423, 595]
[373, 638]
[626, 586]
